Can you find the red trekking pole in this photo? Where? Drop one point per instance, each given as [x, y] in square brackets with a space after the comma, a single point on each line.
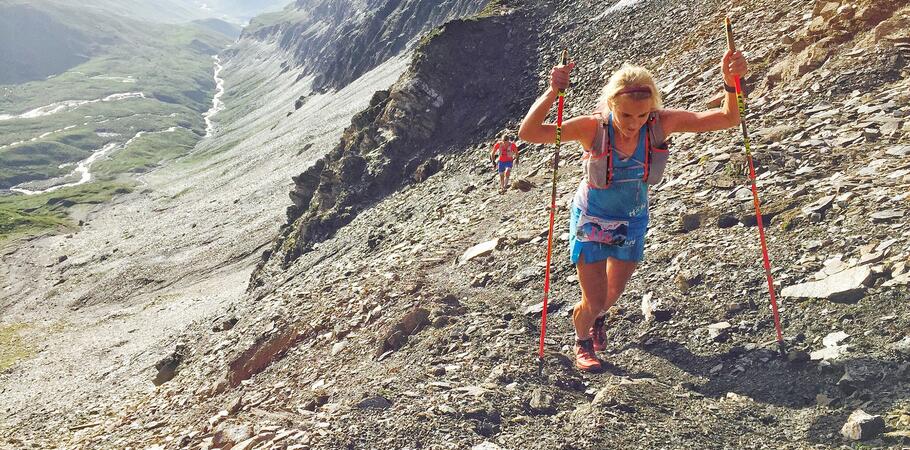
[546, 283]
[741, 103]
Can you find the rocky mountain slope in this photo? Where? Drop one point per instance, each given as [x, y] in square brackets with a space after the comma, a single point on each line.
[400, 137]
[340, 40]
[369, 324]
[139, 269]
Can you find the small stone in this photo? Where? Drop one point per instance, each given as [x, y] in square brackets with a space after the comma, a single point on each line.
[827, 353]
[732, 309]
[409, 324]
[541, 402]
[652, 310]
[819, 206]
[689, 222]
[846, 383]
[251, 443]
[482, 249]
[225, 325]
[686, 280]
[900, 150]
[537, 308]
[743, 195]
[719, 331]
[235, 405]
[486, 445]
[886, 215]
[898, 280]
[481, 279]
[375, 402]
[525, 276]
[486, 429]
[167, 367]
[230, 434]
[871, 134]
[847, 286]
[834, 339]
[901, 346]
[217, 419]
[861, 426]
[832, 349]
[523, 185]
[338, 347]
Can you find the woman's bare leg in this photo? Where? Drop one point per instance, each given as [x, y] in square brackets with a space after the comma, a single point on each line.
[593, 280]
[618, 274]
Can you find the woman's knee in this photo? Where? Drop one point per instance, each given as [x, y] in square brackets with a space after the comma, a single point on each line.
[593, 303]
[616, 286]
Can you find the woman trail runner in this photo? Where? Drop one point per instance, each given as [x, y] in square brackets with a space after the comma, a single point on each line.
[624, 143]
[503, 155]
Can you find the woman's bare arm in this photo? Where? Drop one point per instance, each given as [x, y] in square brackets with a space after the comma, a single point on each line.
[533, 129]
[680, 121]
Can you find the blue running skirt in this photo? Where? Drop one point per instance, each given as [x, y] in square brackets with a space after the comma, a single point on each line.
[632, 200]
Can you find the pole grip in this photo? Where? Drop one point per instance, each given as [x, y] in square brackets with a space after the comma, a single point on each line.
[729, 28]
[564, 59]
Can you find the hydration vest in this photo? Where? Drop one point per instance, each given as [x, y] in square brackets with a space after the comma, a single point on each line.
[506, 154]
[598, 162]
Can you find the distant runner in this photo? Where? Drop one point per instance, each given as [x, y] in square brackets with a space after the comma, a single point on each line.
[504, 155]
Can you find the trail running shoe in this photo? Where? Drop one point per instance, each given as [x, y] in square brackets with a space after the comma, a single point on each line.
[585, 358]
[599, 334]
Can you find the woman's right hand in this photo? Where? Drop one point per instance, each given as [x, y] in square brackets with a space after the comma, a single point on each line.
[559, 76]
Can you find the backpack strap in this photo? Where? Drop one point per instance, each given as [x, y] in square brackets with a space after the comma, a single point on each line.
[656, 132]
[654, 139]
[602, 147]
[647, 163]
[606, 145]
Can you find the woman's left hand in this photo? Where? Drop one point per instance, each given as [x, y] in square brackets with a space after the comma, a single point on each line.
[733, 65]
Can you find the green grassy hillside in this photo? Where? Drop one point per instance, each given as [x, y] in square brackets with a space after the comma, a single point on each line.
[128, 77]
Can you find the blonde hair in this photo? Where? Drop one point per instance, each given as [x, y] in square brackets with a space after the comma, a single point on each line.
[629, 76]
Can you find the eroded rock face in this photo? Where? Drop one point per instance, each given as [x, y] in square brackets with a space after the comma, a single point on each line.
[835, 23]
[404, 134]
[340, 40]
[268, 347]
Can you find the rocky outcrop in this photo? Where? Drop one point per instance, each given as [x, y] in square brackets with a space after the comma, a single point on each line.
[452, 92]
[835, 24]
[340, 40]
